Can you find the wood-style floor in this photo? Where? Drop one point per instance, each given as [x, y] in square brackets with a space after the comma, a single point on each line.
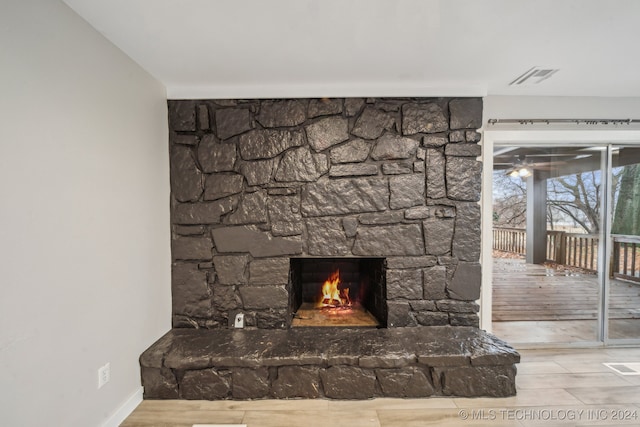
[528, 292]
[555, 388]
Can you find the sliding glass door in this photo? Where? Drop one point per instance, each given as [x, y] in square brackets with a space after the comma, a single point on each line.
[622, 306]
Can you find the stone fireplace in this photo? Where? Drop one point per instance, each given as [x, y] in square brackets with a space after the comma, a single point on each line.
[255, 182]
[357, 213]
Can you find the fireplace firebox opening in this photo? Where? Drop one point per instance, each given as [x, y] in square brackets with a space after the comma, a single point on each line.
[338, 292]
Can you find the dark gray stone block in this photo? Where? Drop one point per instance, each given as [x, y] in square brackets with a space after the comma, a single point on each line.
[231, 269]
[266, 144]
[404, 284]
[259, 244]
[436, 184]
[344, 196]
[301, 165]
[466, 238]
[465, 284]
[438, 235]
[189, 230]
[381, 218]
[465, 113]
[218, 186]
[271, 319]
[423, 118]
[324, 107]
[191, 248]
[422, 305]
[250, 383]
[464, 178]
[182, 115]
[327, 132]
[432, 318]
[186, 178]
[435, 280]
[358, 169]
[406, 191]
[289, 112]
[232, 121]
[181, 139]
[326, 237]
[264, 297]
[350, 226]
[191, 293]
[226, 298]
[463, 150]
[418, 212]
[252, 209]
[159, 383]
[203, 212]
[284, 208]
[397, 168]
[398, 314]
[456, 136]
[294, 381]
[453, 306]
[372, 123]
[348, 382]
[258, 172]
[215, 156]
[411, 262]
[207, 384]
[355, 151]
[473, 136]
[353, 106]
[406, 383]
[492, 381]
[440, 211]
[434, 141]
[203, 117]
[391, 240]
[464, 319]
[283, 228]
[269, 271]
[392, 147]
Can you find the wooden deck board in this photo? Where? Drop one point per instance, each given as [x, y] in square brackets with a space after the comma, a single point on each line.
[527, 292]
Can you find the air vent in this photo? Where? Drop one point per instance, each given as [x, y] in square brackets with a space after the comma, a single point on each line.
[624, 368]
[534, 76]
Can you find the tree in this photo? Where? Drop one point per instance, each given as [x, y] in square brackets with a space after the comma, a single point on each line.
[626, 217]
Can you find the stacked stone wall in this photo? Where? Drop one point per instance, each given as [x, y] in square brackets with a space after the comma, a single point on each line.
[254, 182]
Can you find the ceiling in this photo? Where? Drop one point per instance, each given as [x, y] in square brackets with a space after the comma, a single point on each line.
[315, 48]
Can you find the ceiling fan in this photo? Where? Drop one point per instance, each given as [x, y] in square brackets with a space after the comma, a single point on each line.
[523, 167]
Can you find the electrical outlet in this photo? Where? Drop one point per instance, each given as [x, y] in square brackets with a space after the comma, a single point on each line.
[104, 375]
[239, 323]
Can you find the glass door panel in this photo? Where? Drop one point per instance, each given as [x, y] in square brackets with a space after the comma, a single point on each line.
[548, 224]
[623, 301]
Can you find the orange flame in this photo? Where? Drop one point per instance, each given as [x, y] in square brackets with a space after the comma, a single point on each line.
[332, 295]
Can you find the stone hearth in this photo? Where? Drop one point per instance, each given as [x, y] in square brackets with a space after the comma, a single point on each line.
[331, 363]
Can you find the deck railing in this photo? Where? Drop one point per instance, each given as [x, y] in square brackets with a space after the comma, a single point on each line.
[626, 257]
[576, 250]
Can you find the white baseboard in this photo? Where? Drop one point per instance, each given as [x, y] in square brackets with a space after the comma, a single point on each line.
[125, 409]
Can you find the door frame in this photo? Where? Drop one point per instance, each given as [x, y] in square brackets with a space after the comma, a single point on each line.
[540, 135]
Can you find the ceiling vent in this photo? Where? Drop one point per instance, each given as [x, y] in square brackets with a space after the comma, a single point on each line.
[534, 76]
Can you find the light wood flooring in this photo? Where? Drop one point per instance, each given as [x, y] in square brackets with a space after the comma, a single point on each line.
[568, 387]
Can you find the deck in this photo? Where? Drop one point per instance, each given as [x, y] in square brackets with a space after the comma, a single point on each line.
[527, 292]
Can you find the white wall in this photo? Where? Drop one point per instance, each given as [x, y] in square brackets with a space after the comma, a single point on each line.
[84, 218]
[560, 107]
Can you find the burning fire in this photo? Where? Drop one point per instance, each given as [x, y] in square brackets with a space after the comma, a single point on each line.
[332, 295]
